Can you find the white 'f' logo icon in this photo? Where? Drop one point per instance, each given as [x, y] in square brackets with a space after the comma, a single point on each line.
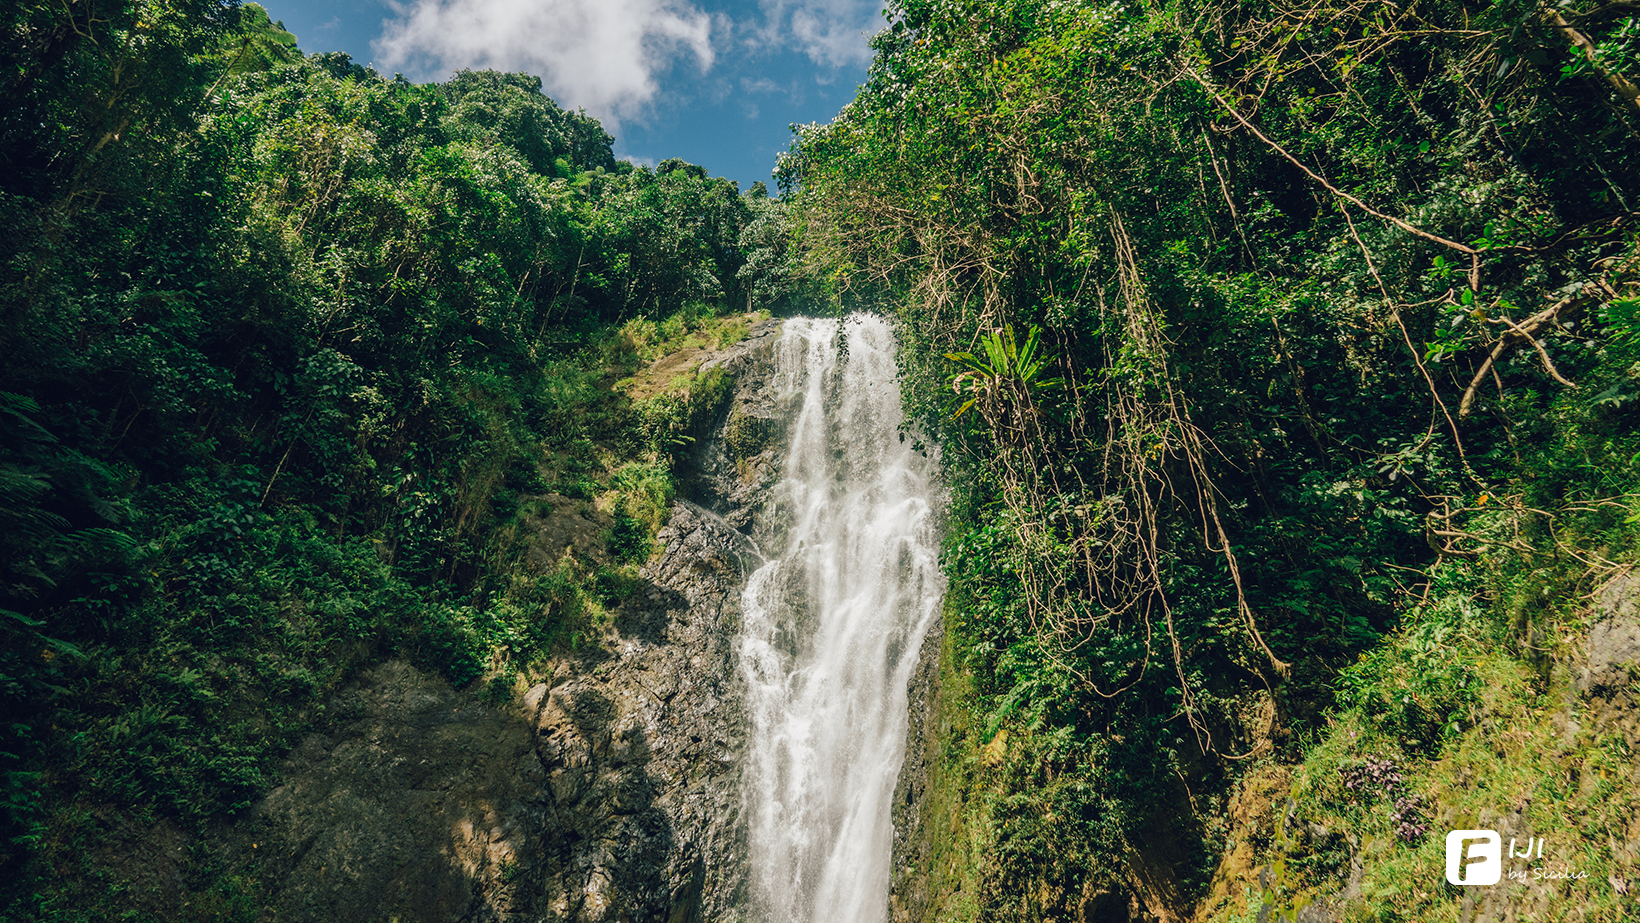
[1474, 857]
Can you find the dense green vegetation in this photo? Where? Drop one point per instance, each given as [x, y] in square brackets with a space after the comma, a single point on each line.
[1261, 339]
[292, 353]
[1284, 359]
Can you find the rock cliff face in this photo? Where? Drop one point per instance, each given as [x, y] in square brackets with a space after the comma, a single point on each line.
[912, 895]
[640, 747]
[608, 793]
[738, 462]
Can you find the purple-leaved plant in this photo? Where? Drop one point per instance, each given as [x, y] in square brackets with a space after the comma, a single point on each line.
[1380, 776]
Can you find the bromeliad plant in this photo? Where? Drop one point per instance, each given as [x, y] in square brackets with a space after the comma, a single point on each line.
[1010, 374]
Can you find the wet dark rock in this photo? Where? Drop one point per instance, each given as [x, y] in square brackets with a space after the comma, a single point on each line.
[912, 896]
[733, 471]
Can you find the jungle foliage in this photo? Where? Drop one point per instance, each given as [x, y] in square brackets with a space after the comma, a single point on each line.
[1235, 320]
[292, 351]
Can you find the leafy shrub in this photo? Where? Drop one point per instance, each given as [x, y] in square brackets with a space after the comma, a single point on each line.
[629, 539]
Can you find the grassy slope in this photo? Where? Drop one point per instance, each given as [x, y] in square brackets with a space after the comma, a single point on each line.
[1476, 714]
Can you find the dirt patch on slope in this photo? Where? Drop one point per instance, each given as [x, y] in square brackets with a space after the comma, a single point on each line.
[565, 526]
[674, 372]
[663, 375]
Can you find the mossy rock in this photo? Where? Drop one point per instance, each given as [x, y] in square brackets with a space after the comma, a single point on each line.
[745, 436]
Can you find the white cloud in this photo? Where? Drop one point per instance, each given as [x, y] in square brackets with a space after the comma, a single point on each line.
[835, 33]
[602, 55]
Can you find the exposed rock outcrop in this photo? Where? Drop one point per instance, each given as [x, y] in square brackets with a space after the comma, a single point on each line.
[734, 469]
[640, 747]
[912, 894]
[1614, 638]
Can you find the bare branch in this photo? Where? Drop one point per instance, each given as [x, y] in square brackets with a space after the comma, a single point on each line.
[1474, 255]
[1623, 85]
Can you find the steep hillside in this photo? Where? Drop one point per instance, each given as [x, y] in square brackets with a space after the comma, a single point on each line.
[309, 370]
[1284, 361]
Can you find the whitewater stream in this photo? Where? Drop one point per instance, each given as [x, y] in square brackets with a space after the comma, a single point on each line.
[832, 628]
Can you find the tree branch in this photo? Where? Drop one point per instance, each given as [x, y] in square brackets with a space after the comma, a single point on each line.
[1474, 255]
[1623, 85]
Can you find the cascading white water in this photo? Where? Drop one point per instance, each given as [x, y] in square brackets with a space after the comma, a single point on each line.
[832, 628]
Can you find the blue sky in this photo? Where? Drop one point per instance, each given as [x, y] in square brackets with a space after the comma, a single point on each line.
[715, 82]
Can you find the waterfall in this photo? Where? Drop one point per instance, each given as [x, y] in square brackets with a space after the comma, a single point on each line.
[832, 627]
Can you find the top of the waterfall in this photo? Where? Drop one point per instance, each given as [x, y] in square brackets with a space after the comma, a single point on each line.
[676, 371]
[761, 335]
